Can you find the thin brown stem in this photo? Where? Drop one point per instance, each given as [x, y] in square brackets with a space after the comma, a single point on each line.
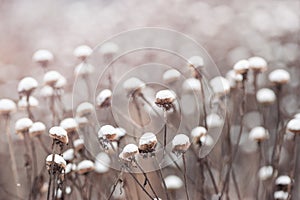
[185, 178]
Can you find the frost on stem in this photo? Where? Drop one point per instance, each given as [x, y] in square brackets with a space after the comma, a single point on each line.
[104, 98]
[85, 167]
[165, 99]
[171, 76]
[265, 96]
[59, 134]
[147, 143]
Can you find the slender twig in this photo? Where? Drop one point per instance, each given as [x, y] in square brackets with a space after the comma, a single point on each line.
[185, 178]
[162, 179]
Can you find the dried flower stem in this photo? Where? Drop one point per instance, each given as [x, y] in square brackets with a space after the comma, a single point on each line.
[185, 177]
[162, 179]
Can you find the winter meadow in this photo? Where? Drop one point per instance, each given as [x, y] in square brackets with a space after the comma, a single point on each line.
[131, 100]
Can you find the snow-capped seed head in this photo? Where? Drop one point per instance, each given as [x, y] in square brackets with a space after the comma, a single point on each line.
[257, 64]
[258, 134]
[119, 192]
[121, 132]
[59, 161]
[37, 129]
[214, 120]
[294, 126]
[197, 133]
[147, 142]
[85, 167]
[42, 56]
[23, 104]
[165, 99]
[191, 85]
[60, 83]
[109, 49]
[102, 163]
[111, 149]
[82, 52]
[107, 132]
[46, 91]
[279, 77]
[171, 75]
[78, 144]
[129, 152]
[27, 85]
[70, 167]
[220, 85]
[265, 173]
[207, 140]
[180, 143]
[133, 84]
[51, 78]
[265, 96]
[84, 109]
[241, 67]
[23, 125]
[283, 180]
[7, 106]
[84, 69]
[196, 61]
[297, 116]
[68, 155]
[104, 98]
[69, 124]
[173, 182]
[81, 121]
[233, 78]
[60, 134]
[281, 195]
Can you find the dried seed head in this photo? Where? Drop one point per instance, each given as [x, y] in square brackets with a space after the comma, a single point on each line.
[241, 67]
[84, 109]
[265, 96]
[68, 155]
[173, 182]
[258, 134]
[82, 52]
[147, 142]
[214, 120]
[220, 85]
[37, 129]
[70, 167]
[102, 163]
[109, 49]
[279, 77]
[265, 173]
[7, 106]
[297, 116]
[121, 132]
[22, 103]
[283, 181]
[294, 125]
[133, 85]
[51, 78]
[191, 85]
[196, 61]
[130, 151]
[61, 82]
[233, 78]
[165, 99]
[83, 69]
[27, 85]
[78, 144]
[197, 133]
[60, 134]
[207, 140]
[107, 132]
[257, 64]
[281, 195]
[23, 125]
[180, 143]
[42, 56]
[171, 75]
[104, 98]
[85, 167]
[59, 162]
[69, 124]
[46, 91]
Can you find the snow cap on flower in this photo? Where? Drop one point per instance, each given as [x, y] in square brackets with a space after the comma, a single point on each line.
[22, 125]
[68, 155]
[258, 134]
[51, 78]
[214, 120]
[78, 144]
[281, 195]
[265, 96]
[104, 97]
[46, 91]
[279, 76]
[283, 180]
[196, 61]
[22, 103]
[129, 152]
[173, 182]
[42, 56]
[191, 85]
[171, 75]
[107, 132]
[133, 84]
[241, 67]
[265, 173]
[294, 125]
[102, 163]
[85, 167]
[7, 106]
[257, 64]
[37, 128]
[220, 85]
[197, 133]
[84, 109]
[109, 48]
[180, 143]
[147, 142]
[58, 160]
[59, 133]
[27, 85]
[165, 99]
[121, 132]
[82, 51]
[233, 78]
[69, 124]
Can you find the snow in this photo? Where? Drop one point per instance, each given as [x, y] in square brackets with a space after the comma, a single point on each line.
[57, 159]
[165, 94]
[37, 127]
[233, 78]
[109, 48]
[171, 76]
[279, 76]
[22, 103]
[107, 131]
[265, 172]
[85, 166]
[191, 85]
[7, 106]
[42, 55]
[69, 124]
[46, 91]
[181, 139]
[60, 83]
[51, 77]
[173, 182]
[121, 132]
[241, 66]
[27, 84]
[196, 61]
[103, 96]
[59, 133]
[265, 96]
[198, 131]
[294, 125]
[23, 124]
[147, 138]
[84, 108]
[220, 85]
[68, 155]
[257, 63]
[214, 120]
[82, 51]
[83, 69]
[132, 84]
[258, 133]
[130, 148]
[281, 195]
[78, 142]
[102, 163]
[283, 180]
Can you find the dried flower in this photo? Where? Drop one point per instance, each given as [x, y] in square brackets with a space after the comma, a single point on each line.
[279, 77]
[294, 126]
[173, 182]
[78, 144]
[23, 125]
[7, 106]
[265, 96]
[197, 133]
[59, 162]
[258, 134]
[220, 85]
[27, 85]
[60, 134]
[171, 75]
[241, 67]
[257, 64]
[104, 98]
[107, 132]
[165, 99]
[191, 85]
[180, 143]
[147, 142]
[37, 129]
[85, 167]
[130, 151]
[82, 52]
[69, 124]
[282, 182]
